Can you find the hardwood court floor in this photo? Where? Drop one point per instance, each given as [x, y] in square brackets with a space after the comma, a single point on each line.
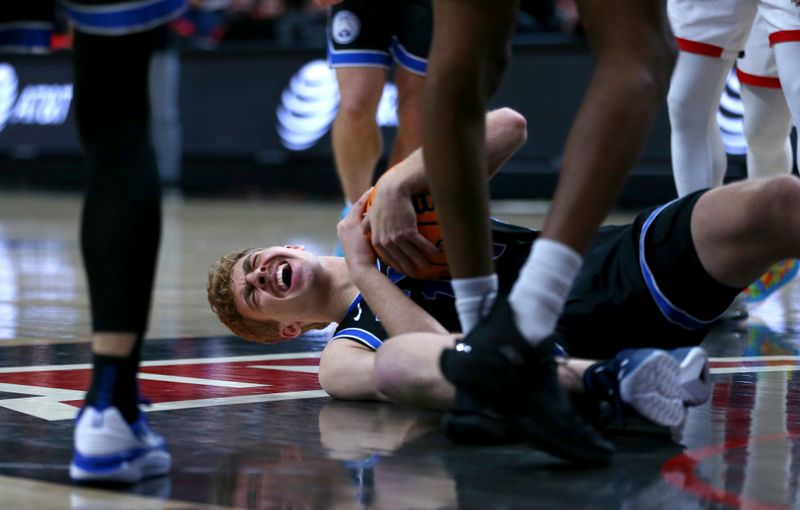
[249, 427]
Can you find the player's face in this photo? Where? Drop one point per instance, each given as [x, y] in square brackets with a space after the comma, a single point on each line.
[277, 283]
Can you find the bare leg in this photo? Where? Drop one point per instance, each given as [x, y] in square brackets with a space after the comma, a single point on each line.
[633, 61]
[406, 370]
[633, 45]
[741, 229]
[119, 345]
[468, 55]
[357, 141]
[409, 112]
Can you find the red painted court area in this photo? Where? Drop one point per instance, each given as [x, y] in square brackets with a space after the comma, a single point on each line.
[176, 381]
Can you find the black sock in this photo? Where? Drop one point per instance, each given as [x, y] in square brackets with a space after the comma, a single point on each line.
[114, 384]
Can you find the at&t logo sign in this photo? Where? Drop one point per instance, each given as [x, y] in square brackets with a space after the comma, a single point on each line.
[38, 104]
[310, 102]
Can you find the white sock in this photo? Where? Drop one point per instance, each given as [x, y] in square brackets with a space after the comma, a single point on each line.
[542, 288]
[474, 299]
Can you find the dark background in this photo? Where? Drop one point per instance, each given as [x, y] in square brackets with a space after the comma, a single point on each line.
[228, 103]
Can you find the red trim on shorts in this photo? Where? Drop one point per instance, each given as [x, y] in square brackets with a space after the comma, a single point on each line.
[758, 81]
[784, 36]
[708, 50]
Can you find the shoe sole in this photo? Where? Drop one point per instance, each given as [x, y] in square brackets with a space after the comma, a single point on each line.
[653, 390]
[153, 463]
[695, 378]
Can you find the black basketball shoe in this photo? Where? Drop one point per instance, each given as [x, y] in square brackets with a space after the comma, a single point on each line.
[496, 369]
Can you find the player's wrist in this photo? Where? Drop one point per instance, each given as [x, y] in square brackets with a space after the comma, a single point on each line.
[362, 270]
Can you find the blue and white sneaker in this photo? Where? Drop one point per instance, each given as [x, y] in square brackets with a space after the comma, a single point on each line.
[695, 381]
[108, 449]
[644, 381]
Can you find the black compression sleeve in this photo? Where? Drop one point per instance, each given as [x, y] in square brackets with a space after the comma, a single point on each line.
[121, 222]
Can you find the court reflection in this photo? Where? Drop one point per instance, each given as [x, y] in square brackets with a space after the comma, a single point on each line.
[351, 466]
[742, 447]
[392, 454]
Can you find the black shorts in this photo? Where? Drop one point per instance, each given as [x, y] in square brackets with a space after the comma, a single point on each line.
[27, 25]
[368, 33]
[665, 299]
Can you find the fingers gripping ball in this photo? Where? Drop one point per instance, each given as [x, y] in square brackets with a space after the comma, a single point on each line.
[428, 226]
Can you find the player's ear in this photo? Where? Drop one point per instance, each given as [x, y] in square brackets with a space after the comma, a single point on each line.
[291, 330]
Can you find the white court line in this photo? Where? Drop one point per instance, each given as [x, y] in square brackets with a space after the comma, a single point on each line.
[789, 364]
[746, 370]
[43, 391]
[753, 358]
[244, 399]
[48, 403]
[313, 369]
[42, 407]
[50, 409]
[198, 380]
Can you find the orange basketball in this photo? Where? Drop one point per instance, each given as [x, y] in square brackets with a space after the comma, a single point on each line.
[428, 226]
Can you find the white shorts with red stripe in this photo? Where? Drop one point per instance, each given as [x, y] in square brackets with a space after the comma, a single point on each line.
[719, 28]
[757, 68]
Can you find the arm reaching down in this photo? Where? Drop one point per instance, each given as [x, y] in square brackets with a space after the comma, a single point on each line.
[398, 313]
[391, 219]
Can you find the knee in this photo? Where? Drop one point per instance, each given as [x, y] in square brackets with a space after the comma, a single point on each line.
[354, 109]
[782, 193]
[396, 377]
[648, 65]
[677, 103]
[516, 124]
[688, 111]
[658, 64]
[388, 377]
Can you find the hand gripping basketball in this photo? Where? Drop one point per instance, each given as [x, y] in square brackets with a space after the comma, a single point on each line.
[428, 226]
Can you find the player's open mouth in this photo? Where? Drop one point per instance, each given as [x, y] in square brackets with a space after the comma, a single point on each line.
[283, 276]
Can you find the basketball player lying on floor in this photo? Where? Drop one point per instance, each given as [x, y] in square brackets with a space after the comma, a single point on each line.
[658, 283]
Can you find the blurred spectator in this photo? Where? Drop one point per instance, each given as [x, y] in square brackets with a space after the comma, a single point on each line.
[301, 23]
[204, 23]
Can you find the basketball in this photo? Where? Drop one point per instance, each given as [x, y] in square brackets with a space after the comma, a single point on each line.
[428, 226]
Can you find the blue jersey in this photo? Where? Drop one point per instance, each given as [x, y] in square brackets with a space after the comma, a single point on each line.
[511, 247]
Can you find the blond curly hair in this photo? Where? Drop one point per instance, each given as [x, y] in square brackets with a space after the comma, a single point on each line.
[220, 298]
